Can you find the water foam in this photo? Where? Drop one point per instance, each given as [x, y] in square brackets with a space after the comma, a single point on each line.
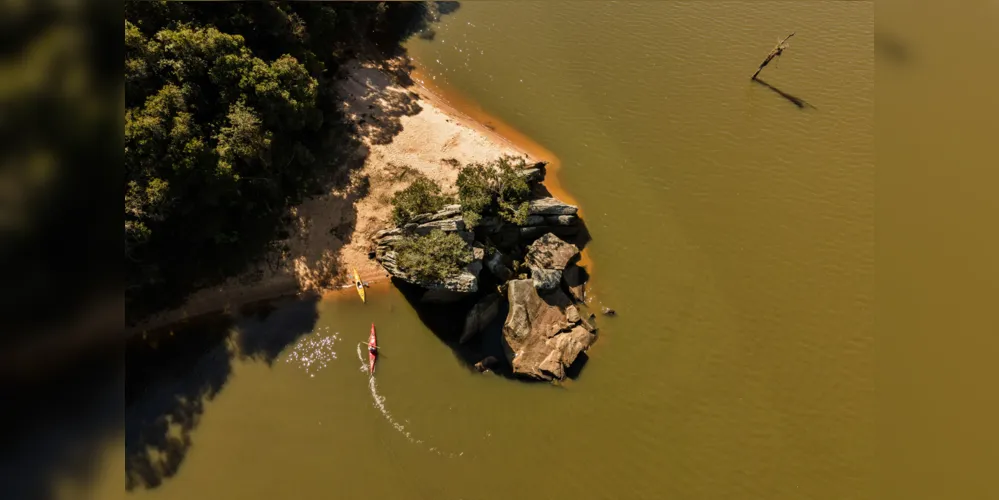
[379, 403]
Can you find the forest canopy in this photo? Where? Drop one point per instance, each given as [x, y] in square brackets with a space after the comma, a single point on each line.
[230, 118]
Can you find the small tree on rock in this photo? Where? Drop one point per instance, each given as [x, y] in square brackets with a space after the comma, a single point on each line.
[421, 197]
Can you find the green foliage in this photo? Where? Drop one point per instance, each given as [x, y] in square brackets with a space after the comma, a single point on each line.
[476, 188]
[512, 187]
[434, 257]
[230, 117]
[471, 218]
[516, 214]
[421, 197]
[494, 188]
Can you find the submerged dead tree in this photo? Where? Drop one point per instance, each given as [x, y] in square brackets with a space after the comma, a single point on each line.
[776, 52]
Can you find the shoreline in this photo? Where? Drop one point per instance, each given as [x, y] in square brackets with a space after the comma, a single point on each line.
[443, 116]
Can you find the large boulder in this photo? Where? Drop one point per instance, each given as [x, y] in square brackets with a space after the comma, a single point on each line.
[539, 341]
[547, 257]
[483, 313]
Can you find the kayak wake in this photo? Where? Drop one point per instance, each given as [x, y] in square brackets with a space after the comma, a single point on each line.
[379, 403]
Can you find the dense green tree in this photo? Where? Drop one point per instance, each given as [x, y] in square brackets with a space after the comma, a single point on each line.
[230, 118]
[497, 188]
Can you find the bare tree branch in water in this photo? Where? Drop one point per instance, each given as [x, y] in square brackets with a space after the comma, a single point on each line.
[776, 52]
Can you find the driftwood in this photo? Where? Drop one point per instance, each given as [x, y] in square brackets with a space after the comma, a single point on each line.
[776, 52]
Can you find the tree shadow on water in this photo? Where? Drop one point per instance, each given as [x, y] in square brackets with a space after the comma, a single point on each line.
[54, 430]
[173, 374]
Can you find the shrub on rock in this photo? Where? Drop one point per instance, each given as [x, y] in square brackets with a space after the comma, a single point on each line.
[421, 197]
[434, 257]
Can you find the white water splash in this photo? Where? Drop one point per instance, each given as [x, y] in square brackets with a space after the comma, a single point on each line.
[379, 403]
[314, 352]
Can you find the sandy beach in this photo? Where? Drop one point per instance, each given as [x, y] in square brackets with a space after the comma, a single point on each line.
[406, 128]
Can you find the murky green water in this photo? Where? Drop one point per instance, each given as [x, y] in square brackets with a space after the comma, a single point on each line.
[732, 231]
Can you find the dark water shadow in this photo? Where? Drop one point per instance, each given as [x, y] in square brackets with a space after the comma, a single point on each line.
[173, 374]
[447, 7]
[447, 322]
[54, 429]
[797, 101]
[573, 371]
[418, 18]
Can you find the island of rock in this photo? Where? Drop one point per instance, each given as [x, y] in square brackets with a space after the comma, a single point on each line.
[529, 269]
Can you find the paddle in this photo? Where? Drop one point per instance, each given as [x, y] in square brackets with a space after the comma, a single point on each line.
[377, 349]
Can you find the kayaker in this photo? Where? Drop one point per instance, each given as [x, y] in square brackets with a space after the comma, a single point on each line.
[372, 349]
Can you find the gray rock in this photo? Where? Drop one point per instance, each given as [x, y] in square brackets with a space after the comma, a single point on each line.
[561, 220]
[448, 212]
[482, 313]
[546, 258]
[551, 206]
[545, 280]
[608, 311]
[447, 225]
[537, 339]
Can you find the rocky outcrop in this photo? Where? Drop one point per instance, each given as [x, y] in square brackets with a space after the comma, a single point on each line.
[539, 340]
[447, 219]
[544, 331]
[547, 257]
[545, 215]
[551, 206]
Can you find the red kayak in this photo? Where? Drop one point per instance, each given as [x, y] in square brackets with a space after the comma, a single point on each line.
[372, 349]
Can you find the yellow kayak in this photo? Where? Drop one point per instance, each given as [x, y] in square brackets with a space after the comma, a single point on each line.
[359, 285]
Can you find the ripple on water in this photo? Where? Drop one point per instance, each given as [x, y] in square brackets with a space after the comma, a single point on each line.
[379, 402]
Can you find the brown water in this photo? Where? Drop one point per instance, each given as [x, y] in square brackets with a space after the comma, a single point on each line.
[732, 231]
